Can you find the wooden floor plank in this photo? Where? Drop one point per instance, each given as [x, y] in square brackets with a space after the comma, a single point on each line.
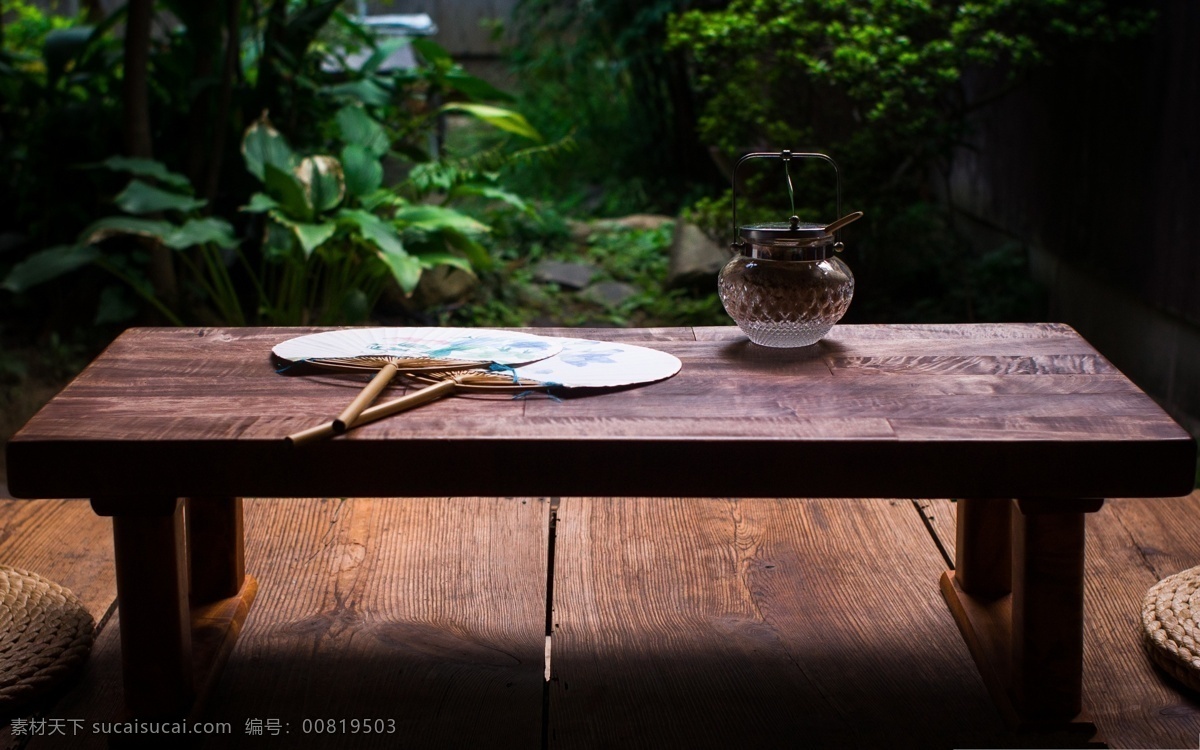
[939, 519]
[426, 613]
[725, 623]
[678, 623]
[1132, 543]
[64, 541]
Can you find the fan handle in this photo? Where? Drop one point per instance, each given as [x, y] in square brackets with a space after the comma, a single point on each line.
[412, 400]
[345, 420]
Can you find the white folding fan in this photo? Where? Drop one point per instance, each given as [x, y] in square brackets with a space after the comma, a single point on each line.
[392, 350]
[582, 364]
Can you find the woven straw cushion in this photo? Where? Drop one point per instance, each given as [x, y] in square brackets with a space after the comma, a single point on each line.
[1169, 630]
[45, 637]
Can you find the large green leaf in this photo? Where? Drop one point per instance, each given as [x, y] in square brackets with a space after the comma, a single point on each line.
[374, 229]
[475, 252]
[62, 47]
[48, 264]
[356, 126]
[505, 119]
[475, 88]
[431, 258]
[323, 182]
[260, 203]
[202, 232]
[405, 268]
[384, 49]
[433, 52]
[438, 218]
[364, 172]
[365, 90]
[112, 226]
[143, 198]
[148, 168]
[311, 236]
[491, 192]
[263, 144]
[287, 189]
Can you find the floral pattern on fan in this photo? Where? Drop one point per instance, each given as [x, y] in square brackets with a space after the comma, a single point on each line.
[446, 345]
[483, 348]
[583, 363]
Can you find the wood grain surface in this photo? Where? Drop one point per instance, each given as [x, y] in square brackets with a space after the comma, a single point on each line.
[1001, 410]
[1131, 544]
[64, 541]
[720, 639]
[758, 623]
[429, 613]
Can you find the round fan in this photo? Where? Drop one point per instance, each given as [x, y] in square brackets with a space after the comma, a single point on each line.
[582, 364]
[391, 350]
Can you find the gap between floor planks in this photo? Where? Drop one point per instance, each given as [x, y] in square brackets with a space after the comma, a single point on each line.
[1131, 542]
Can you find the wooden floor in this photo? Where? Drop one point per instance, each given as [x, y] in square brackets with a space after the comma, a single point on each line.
[676, 623]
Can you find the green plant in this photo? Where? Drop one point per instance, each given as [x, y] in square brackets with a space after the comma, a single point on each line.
[598, 71]
[332, 239]
[158, 210]
[883, 76]
[335, 236]
[882, 85]
[277, 245]
[637, 257]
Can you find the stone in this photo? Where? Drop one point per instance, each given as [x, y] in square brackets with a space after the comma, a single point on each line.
[635, 222]
[443, 285]
[581, 231]
[696, 258]
[611, 293]
[566, 275]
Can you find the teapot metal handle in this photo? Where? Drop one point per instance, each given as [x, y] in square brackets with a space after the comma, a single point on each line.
[784, 155]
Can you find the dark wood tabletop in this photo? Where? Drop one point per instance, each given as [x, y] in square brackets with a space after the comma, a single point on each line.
[990, 410]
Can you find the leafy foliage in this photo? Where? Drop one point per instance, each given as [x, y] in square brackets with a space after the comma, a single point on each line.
[319, 224]
[511, 295]
[599, 72]
[887, 72]
[882, 85]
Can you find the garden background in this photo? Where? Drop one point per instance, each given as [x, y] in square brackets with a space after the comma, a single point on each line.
[545, 162]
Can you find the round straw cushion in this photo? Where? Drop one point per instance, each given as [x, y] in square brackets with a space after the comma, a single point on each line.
[1169, 630]
[45, 636]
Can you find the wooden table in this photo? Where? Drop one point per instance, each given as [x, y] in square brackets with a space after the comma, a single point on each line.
[1027, 425]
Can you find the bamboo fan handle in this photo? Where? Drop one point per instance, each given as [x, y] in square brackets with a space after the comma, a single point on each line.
[346, 419]
[423, 396]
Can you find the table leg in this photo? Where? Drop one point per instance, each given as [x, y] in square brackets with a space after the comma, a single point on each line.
[1047, 608]
[156, 633]
[216, 551]
[172, 653]
[1028, 644]
[983, 546]
[221, 592]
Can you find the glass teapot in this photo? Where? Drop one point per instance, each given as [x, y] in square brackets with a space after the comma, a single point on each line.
[785, 287]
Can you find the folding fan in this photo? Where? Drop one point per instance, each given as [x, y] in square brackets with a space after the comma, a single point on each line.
[391, 350]
[582, 364]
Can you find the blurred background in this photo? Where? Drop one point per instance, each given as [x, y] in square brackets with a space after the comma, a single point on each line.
[552, 162]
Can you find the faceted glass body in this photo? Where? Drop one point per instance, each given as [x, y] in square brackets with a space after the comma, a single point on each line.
[785, 303]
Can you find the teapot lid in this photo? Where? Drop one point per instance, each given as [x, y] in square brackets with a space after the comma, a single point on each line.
[783, 231]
